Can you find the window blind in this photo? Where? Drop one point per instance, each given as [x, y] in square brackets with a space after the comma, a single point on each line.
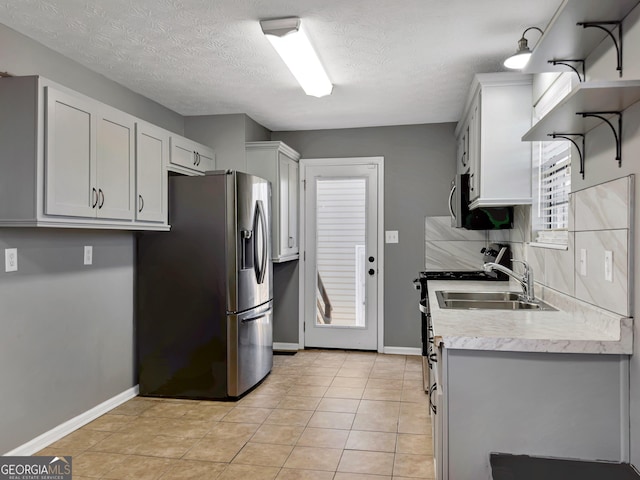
[553, 161]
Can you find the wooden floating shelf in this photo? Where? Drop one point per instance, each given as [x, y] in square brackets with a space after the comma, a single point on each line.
[563, 39]
[605, 96]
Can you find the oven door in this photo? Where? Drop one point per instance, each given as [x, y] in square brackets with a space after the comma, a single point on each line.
[427, 345]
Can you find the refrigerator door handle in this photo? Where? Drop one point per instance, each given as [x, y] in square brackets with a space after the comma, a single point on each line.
[262, 269]
[253, 319]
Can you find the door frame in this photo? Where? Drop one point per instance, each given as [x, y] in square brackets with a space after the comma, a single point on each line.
[338, 161]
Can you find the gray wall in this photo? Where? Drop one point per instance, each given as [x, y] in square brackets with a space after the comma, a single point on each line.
[224, 133]
[20, 55]
[419, 162]
[66, 330]
[66, 334]
[254, 132]
[601, 166]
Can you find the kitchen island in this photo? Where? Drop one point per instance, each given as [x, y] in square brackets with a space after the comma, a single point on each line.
[545, 383]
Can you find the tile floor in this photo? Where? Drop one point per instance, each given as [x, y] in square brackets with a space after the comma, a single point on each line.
[319, 415]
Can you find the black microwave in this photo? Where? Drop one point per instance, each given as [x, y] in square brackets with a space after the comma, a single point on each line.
[481, 218]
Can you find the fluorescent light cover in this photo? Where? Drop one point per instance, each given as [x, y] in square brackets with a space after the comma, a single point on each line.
[288, 38]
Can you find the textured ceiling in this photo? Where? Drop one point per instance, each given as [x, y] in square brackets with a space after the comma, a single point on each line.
[392, 62]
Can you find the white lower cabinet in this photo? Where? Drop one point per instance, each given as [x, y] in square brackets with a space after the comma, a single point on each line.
[190, 157]
[278, 163]
[561, 405]
[152, 153]
[69, 161]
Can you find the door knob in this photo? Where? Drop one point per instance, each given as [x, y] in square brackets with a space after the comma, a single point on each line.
[371, 271]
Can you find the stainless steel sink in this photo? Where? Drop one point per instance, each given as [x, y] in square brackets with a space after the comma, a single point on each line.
[487, 301]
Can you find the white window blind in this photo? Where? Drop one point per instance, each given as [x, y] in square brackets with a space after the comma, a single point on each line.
[552, 167]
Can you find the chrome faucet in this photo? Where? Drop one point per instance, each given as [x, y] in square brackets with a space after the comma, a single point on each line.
[525, 280]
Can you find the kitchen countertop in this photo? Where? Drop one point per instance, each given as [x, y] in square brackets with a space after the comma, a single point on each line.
[576, 327]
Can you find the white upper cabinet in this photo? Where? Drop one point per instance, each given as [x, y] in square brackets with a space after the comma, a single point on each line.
[89, 160]
[278, 163]
[152, 154]
[69, 161]
[115, 164]
[497, 114]
[189, 157]
[70, 155]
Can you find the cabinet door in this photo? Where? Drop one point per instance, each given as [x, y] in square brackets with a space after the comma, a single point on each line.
[206, 158]
[288, 206]
[70, 160]
[115, 165]
[474, 150]
[183, 152]
[293, 207]
[282, 198]
[152, 148]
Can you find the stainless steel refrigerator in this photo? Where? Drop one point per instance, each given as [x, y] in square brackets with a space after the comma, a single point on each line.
[204, 290]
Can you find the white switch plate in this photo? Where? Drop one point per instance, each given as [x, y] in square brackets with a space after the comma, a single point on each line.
[583, 262]
[608, 265]
[88, 254]
[391, 236]
[10, 259]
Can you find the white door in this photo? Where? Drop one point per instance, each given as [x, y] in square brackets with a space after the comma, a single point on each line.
[341, 261]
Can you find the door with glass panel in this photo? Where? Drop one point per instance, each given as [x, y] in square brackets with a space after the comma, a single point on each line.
[341, 249]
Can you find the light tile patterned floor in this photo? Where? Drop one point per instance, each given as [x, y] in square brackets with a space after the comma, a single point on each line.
[320, 415]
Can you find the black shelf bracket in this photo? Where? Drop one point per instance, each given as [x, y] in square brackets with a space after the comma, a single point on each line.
[581, 151]
[616, 133]
[567, 63]
[616, 42]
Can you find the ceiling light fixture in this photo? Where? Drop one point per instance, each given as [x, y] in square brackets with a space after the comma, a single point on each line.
[288, 38]
[519, 60]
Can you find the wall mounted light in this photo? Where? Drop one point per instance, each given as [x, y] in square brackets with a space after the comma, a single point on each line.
[288, 38]
[519, 60]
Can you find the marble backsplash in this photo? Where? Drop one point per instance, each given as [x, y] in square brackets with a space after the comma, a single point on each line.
[448, 248]
[600, 218]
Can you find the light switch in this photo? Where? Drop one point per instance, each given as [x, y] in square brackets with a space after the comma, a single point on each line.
[608, 265]
[583, 262]
[88, 255]
[391, 236]
[10, 259]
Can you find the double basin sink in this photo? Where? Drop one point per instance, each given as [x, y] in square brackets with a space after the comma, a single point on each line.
[488, 301]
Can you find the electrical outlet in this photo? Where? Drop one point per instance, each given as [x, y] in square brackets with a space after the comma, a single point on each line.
[583, 262]
[391, 236]
[608, 266]
[88, 255]
[10, 259]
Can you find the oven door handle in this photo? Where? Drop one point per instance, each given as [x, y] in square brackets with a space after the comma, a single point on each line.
[423, 306]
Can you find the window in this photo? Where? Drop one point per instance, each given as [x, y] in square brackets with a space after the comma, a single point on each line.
[551, 174]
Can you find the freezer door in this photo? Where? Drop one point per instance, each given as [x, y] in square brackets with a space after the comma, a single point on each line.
[250, 348]
[253, 239]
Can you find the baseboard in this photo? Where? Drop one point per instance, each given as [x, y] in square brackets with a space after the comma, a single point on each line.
[75, 423]
[402, 351]
[285, 347]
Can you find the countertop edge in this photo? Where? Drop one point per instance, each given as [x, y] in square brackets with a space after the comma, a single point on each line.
[616, 339]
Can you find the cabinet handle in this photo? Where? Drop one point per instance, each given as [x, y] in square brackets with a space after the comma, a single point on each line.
[195, 157]
[95, 196]
[141, 203]
[470, 182]
[101, 194]
[199, 159]
[290, 242]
